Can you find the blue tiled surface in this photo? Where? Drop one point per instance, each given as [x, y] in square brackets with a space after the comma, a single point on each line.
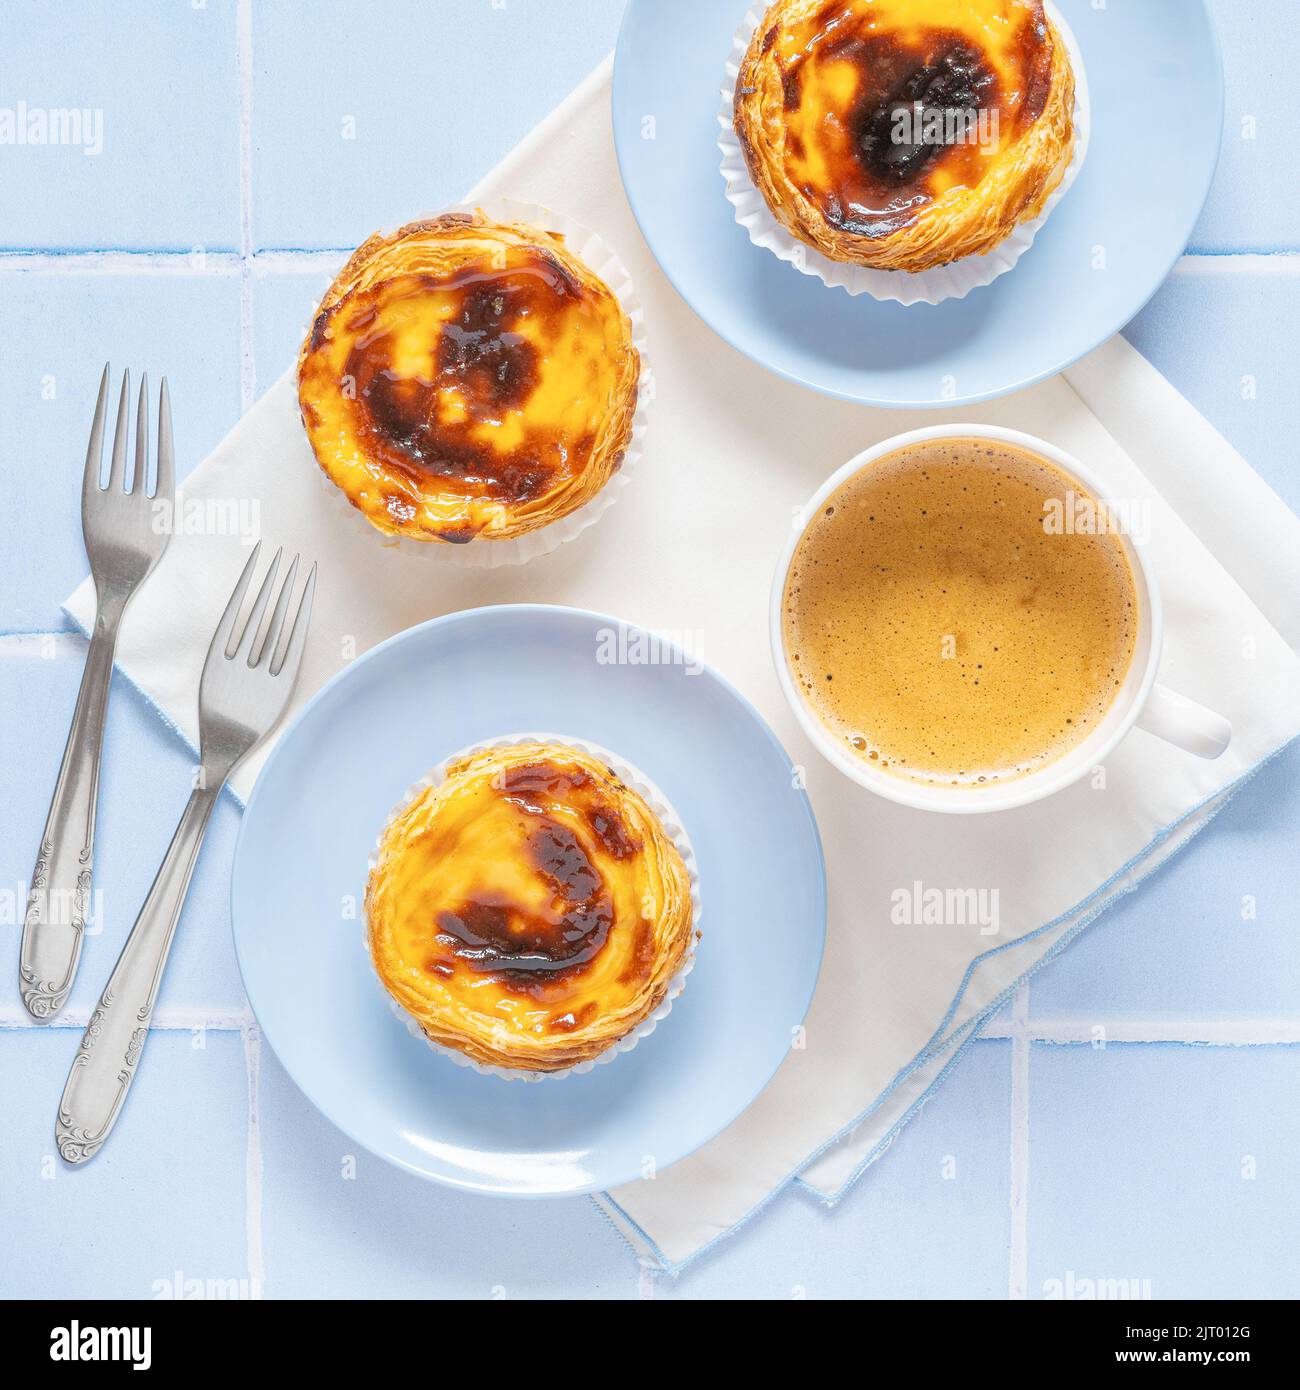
[1135, 1152]
[1212, 936]
[169, 1196]
[144, 784]
[161, 76]
[1176, 1165]
[283, 303]
[69, 324]
[931, 1222]
[1255, 204]
[1225, 337]
[478, 76]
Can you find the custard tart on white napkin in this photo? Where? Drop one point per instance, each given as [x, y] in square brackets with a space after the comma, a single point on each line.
[466, 379]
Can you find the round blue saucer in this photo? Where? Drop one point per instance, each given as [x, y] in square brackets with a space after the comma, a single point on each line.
[326, 792]
[1156, 81]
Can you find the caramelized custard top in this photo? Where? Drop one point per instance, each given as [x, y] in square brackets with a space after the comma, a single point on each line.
[532, 892]
[464, 379]
[889, 104]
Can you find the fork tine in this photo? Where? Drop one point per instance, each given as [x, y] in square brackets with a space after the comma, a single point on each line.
[117, 471]
[249, 636]
[140, 477]
[165, 477]
[292, 657]
[273, 628]
[221, 638]
[95, 449]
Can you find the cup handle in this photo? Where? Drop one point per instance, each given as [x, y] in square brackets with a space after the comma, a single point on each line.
[1184, 723]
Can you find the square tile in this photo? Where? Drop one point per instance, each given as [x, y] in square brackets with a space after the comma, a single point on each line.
[1253, 205]
[163, 1198]
[401, 110]
[144, 783]
[1224, 339]
[1164, 1172]
[150, 159]
[69, 325]
[1210, 935]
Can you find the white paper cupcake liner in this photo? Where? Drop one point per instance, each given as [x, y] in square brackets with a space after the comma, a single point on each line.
[672, 825]
[954, 281]
[489, 554]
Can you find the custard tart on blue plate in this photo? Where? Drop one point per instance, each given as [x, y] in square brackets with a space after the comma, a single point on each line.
[905, 134]
[530, 910]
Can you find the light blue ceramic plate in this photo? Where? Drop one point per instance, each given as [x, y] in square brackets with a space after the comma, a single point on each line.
[1156, 80]
[324, 795]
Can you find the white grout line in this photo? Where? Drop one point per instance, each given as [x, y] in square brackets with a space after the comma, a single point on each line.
[1018, 1274]
[244, 65]
[14, 1017]
[251, 1033]
[1185, 1031]
[253, 1159]
[1284, 263]
[328, 261]
[196, 262]
[328, 258]
[46, 645]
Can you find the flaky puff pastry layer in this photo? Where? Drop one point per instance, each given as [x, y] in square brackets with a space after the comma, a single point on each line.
[839, 110]
[468, 379]
[530, 910]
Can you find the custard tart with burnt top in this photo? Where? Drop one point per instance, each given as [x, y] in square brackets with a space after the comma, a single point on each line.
[905, 134]
[466, 379]
[530, 910]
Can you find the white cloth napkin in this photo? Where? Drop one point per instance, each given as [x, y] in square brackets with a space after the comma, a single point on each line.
[690, 547]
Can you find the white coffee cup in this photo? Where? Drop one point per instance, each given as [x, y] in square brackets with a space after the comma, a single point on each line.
[1141, 700]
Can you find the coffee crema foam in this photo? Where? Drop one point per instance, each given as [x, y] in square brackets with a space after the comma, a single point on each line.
[942, 631]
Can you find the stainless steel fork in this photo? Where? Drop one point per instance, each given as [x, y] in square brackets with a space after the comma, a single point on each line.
[123, 543]
[244, 690]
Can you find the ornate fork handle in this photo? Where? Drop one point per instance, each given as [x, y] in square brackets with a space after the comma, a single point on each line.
[58, 898]
[244, 690]
[105, 1064]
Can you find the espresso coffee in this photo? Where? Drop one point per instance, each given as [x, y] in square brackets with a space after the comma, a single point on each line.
[942, 621]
